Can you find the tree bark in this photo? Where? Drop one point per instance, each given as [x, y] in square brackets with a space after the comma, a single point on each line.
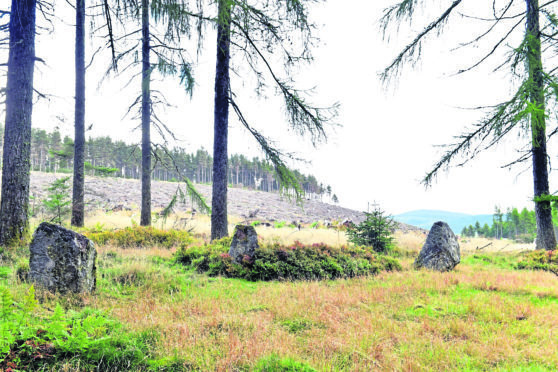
[14, 203]
[145, 119]
[78, 206]
[219, 221]
[546, 239]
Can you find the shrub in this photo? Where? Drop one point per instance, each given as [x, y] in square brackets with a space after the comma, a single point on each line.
[375, 231]
[57, 203]
[295, 262]
[279, 224]
[141, 237]
[540, 260]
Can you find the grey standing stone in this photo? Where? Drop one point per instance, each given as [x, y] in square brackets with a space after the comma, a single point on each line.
[62, 260]
[244, 243]
[441, 250]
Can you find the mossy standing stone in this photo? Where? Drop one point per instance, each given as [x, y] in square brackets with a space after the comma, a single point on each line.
[244, 243]
[441, 250]
[62, 260]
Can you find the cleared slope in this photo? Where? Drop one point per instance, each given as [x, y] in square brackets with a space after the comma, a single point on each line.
[107, 193]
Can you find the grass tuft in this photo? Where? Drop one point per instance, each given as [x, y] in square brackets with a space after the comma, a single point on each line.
[274, 363]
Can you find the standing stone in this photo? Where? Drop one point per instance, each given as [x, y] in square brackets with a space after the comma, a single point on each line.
[62, 260]
[441, 250]
[244, 243]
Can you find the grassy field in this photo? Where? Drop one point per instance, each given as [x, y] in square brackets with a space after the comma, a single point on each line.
[485, 315]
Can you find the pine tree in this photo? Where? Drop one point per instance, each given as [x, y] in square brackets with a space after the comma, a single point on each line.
[219, 216]
[57, 202]
[375, 231]
[259, 30]
[525, 110]
[17, 138]
[145, 116]
[78, 204]
[170, 61]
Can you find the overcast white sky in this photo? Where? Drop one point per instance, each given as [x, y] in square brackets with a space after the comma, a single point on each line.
[387, 138]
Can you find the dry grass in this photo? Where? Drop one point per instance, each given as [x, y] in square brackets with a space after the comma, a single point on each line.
[493, 245]
[475, 318]
[288, 235]
[414, 240]
[411, 241]
[200, 225]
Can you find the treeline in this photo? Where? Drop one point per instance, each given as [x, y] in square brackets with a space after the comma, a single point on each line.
[50, 152]
[513, 224]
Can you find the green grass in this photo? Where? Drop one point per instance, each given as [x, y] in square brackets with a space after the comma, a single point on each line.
[274, 363]
[491, 260]
[279, 224]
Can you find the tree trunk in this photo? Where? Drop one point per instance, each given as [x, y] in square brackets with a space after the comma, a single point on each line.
[219, 221]
[17, 133]
[145, 119]
[546, 239]
[79, 137]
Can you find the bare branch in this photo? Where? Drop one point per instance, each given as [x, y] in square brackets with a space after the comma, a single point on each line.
[408, 52]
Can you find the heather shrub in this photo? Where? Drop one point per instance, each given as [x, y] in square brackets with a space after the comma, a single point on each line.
[294, 262]
[540, 260]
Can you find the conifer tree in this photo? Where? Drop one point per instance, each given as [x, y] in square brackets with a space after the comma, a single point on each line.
[219, 216]
[170, 61]
[57, 203]
[78, 204]
[145, 219]
[253, 33]
[526, 110]
[17, 133]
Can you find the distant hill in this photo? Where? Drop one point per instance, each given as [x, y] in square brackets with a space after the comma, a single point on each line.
[457, 221]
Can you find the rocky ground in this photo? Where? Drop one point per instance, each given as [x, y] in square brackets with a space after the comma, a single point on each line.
[106, 193]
